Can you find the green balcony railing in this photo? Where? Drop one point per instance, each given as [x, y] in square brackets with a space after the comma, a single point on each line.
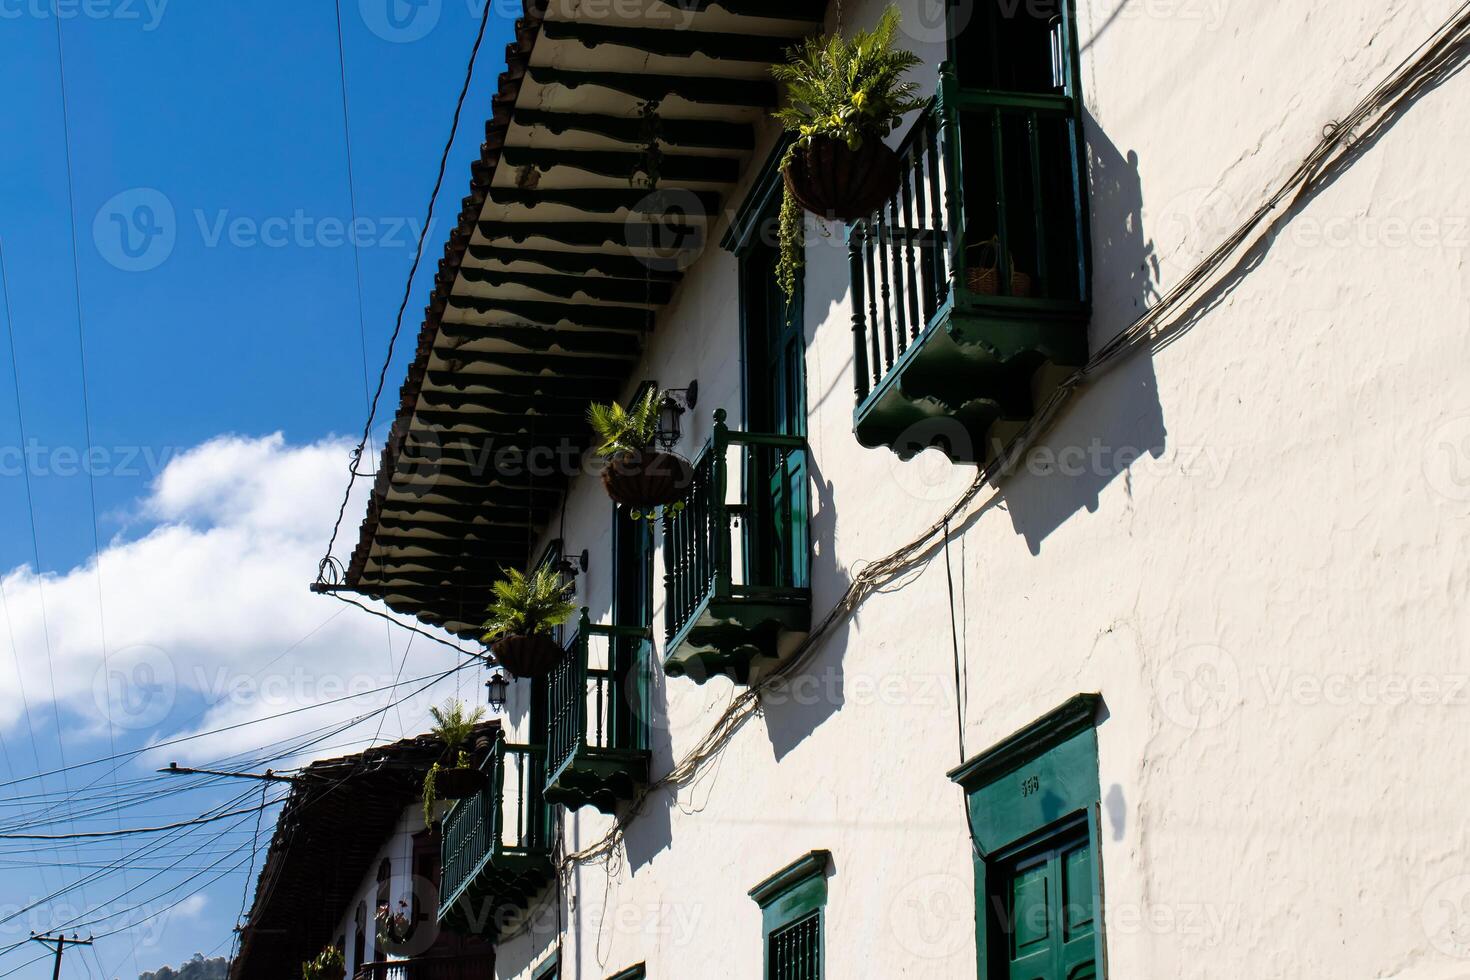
[597, 700]
[496, 847]
[726, 606]
[974, 274]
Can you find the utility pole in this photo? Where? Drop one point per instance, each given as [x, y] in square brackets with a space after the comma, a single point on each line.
[61, 943]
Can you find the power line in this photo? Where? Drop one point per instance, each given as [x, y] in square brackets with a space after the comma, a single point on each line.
[76, 268]
[235, 727]
[407, 291]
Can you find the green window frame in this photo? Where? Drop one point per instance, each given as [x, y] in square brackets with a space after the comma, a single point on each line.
[550, 970]
[793, 904]
[1033, 806]
[638, 972]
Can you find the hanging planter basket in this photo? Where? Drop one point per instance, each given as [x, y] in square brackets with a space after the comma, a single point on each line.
[647, 479]
[527, 655]
[458, 783]
[831, 180]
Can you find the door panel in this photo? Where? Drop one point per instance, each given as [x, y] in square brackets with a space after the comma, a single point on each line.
[776, 542]
[1045, 903]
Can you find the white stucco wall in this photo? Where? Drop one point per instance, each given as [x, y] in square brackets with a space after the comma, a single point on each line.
[1264, 577]
[397, 848]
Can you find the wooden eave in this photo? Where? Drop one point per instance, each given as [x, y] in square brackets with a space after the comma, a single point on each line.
[556, 272]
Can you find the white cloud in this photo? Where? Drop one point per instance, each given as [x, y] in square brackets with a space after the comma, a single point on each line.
[211, 604]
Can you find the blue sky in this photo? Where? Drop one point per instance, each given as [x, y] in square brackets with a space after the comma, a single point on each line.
[225, 377]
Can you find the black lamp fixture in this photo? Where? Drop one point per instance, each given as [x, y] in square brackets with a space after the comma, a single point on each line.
[675, 403]
[499, 688]
[570, 565]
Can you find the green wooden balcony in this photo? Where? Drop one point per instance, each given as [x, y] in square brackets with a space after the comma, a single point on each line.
[496, 848]
[970, 286]
[726, 608]
[597, 746]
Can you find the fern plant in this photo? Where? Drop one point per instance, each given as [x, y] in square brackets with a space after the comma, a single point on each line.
[528, 604]
[454, 723]
[328, 964]
[625, 430]
[849, 90]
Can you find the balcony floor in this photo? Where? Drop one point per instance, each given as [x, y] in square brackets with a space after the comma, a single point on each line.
[506, 881]
[725, 636]
[973, 379]
[598, 777]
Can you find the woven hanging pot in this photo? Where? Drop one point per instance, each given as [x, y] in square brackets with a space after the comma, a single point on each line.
[458, 783]
[648, 479]
[831, 180]
[531, 655]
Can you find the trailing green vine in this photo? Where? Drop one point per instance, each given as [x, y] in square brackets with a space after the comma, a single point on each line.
[843, 90]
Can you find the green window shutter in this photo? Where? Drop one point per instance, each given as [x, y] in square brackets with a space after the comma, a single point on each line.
[1046, 896]
[794, 952]
[792, 903]
[1033, 802]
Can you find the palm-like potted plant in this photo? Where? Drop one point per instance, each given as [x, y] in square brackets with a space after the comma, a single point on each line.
[520, 620]
[638, 475]
[843, 97]
[454, 723]
[329, 964]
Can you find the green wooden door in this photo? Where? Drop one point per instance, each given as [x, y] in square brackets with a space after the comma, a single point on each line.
[775, 386]
[1044, 906]
[632, 606]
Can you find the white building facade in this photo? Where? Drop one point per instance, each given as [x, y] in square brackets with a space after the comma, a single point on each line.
[1181, 688]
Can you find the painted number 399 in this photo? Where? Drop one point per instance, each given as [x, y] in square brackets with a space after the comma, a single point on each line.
[1031, 785]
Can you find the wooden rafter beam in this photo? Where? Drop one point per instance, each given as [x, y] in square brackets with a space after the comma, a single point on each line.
[606, 200]
[609, 343]
[577, 314]
[664, 236]
[756, 48]
[694, 134]
[707, 90]
[569, 287]
[625, 166]
[579, 263]
[534, 389]
[565, 365]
